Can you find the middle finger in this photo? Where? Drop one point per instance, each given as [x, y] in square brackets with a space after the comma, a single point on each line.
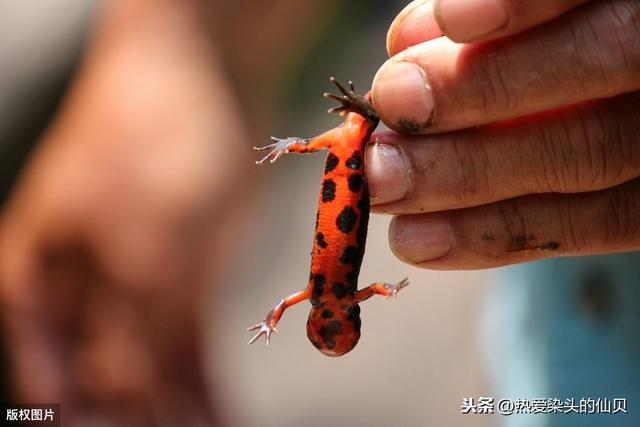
[584, 148]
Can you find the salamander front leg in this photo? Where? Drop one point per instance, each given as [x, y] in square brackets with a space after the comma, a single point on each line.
[281, 146]
[268, 325]
[293, 144]
[350, 100]
[384, 289]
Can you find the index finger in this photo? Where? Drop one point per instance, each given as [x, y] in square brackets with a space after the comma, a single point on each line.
[482, 20]
[440, 85]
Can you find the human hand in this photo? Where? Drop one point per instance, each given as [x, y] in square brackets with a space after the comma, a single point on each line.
[107, 242]
[528, 131]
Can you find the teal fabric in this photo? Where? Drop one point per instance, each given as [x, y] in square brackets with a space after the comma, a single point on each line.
[566, 328]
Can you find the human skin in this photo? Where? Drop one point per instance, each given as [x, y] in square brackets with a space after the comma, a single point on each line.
[525, 121]
[118, 221]
[106, 242]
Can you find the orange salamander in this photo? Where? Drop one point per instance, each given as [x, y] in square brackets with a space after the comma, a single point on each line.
[341, 229]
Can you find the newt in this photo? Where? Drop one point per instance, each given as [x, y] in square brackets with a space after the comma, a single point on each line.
[334, 324]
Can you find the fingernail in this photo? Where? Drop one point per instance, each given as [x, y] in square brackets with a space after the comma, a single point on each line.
[389, 173]
[465, 21]
[413, 25]
[402, 96]
[420, 238]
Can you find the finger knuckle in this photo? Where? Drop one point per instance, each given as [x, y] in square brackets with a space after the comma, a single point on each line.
[497, 83]
[624, 37]
[471, 182]
[600, 161]
[573, 233]
[625, 131]
[516, 230]
[607, 39]
[609, 133]
[558, 157]
[618, 216]
[589, 150]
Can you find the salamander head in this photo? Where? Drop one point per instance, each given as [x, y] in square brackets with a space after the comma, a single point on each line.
[334, 332]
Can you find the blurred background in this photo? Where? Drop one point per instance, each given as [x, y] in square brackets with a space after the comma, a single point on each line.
[449, 336]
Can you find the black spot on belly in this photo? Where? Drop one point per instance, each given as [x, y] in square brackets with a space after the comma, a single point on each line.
[354, 316]
[355, 182]
[320, 240]
[347, 219]
[361, 235]
[317, 218]
[331, 163]
[363, 203]
[352, 279]
[318, 286]
[339, 290]
[327, 314]
[318, 279]
[350, 255]
[329, 331]
[328, 190]
[355, 161]
[355, 311]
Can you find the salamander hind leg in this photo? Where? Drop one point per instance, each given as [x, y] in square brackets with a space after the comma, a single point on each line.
[294, 144]
[268, 325]
[281, 146]
[384, 289]
[265, 328]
